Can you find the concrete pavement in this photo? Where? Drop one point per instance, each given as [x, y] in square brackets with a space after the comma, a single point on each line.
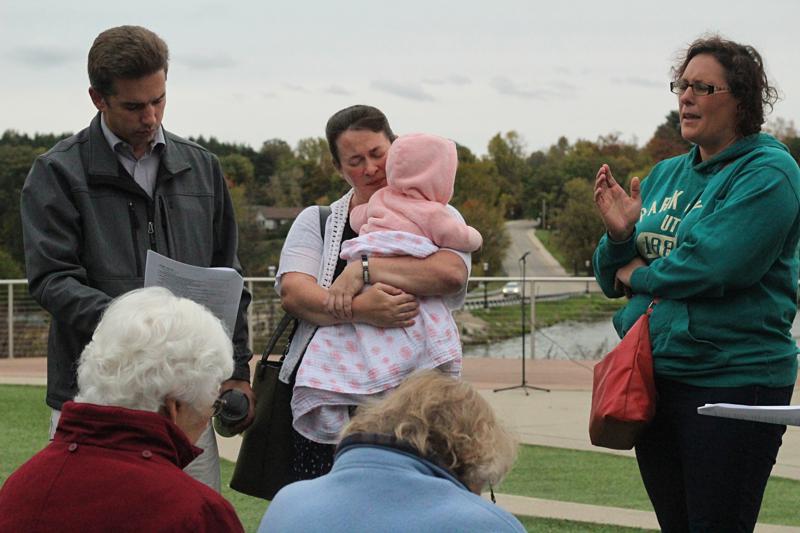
[558, 418]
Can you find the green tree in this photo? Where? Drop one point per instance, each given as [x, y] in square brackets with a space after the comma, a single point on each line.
[15, 162]
[507, 152]
[258, 248]
[274, 155]
[9, 268]
[477, 196]
[221, 149]
[38, 140]
[793, 143]
[320, 183]
[786, 132]
[579, 226]
[284, 187]
[237, 168]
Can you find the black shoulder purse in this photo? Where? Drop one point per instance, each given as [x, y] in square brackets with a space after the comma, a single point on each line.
[264, 464]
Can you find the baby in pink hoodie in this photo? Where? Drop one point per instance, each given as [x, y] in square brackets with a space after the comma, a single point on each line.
[420, 174]
[345, 364]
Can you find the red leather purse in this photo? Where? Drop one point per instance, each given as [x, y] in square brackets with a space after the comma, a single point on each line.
[623, 390]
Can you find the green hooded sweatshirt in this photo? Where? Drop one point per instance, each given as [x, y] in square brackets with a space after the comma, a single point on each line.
[720, 238]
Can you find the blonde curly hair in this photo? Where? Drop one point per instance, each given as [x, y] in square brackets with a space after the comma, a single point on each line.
[446, 420]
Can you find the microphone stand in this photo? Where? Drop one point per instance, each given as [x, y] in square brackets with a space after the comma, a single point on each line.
[524, 385]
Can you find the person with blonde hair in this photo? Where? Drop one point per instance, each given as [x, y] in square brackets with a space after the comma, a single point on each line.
[148, 383]
[416, 460]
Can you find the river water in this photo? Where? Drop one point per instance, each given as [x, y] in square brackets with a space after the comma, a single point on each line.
[566, 340]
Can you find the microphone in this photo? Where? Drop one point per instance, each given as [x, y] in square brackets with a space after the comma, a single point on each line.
[524, 256]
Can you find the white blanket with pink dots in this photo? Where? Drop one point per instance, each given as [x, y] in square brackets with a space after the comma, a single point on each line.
[347, 364]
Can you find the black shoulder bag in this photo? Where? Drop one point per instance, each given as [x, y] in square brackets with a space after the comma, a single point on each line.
[264, 464]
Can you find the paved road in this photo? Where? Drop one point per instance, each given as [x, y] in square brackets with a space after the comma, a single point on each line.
[539, 263]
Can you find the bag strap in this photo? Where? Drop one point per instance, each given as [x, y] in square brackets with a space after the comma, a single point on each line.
[324, 213]
[286, 319]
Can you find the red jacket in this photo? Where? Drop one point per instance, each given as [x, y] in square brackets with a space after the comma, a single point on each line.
[112, 469]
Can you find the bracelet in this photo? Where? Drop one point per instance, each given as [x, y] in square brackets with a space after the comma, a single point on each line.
[365, 268]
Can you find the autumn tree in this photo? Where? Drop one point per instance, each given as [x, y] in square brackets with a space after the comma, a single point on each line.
[667, 140]
[579, 226]
[478, 197]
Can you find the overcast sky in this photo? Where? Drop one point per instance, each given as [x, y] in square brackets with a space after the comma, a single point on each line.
[249, 71]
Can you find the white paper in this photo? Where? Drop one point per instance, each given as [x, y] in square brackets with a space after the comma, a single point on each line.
[218, 288]
[773, 414]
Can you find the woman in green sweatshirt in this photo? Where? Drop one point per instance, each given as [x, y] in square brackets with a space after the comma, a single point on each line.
[712, 234]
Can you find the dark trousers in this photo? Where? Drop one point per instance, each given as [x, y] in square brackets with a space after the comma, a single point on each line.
[705, 473]
[311, 459]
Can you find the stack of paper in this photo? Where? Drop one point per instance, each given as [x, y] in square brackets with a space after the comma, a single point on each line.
[219, 288]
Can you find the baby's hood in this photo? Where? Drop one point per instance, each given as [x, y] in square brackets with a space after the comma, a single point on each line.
[422, 166]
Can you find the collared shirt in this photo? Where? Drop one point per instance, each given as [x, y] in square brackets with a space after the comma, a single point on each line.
[143, 170]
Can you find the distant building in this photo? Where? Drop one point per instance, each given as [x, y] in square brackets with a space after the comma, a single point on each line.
[269, 218]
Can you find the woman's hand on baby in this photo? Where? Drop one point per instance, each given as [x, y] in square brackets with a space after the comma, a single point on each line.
[388, 307]
[339, 302]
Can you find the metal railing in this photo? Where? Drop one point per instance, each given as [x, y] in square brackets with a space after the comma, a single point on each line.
[24, 328]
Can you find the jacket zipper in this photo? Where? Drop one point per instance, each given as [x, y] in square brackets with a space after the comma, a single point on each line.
[134, 239]
[165, 226]
[151, 228]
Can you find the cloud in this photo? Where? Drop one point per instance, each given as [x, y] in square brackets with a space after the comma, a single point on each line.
[453, 79]
[409, 91]
[41, 56]
[508, 87]
[295, 87]
[641, 82]
[208, 60]
[338, 90]
[542, 91]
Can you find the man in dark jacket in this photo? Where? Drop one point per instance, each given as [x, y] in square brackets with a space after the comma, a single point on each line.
[96, 202]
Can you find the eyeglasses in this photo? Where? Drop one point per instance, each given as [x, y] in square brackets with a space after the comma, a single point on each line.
[216, 407]
[698, 88]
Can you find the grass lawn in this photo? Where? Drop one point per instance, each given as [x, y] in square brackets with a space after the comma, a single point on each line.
[552, 525]
[541, 472]
[504, 322]
[545, 236]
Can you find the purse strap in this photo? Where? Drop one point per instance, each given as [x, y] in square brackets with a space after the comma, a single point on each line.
[286, 319]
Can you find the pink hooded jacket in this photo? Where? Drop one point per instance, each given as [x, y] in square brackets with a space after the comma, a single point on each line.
[420, 174]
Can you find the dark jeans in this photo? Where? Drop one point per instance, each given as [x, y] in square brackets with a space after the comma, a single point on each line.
[705, 473]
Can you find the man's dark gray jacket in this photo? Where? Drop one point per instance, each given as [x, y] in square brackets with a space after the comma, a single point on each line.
[87, 227]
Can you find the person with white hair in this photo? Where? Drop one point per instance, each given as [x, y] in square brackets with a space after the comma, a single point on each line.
[148, 384]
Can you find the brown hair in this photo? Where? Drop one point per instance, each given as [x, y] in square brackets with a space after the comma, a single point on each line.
[356, 117]
[125, 52]
[447, 420]
[745, 76]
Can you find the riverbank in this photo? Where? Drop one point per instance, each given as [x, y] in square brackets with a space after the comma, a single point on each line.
[482, 326]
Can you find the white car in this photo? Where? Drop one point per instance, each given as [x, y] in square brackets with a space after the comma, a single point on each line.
[511, 289]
